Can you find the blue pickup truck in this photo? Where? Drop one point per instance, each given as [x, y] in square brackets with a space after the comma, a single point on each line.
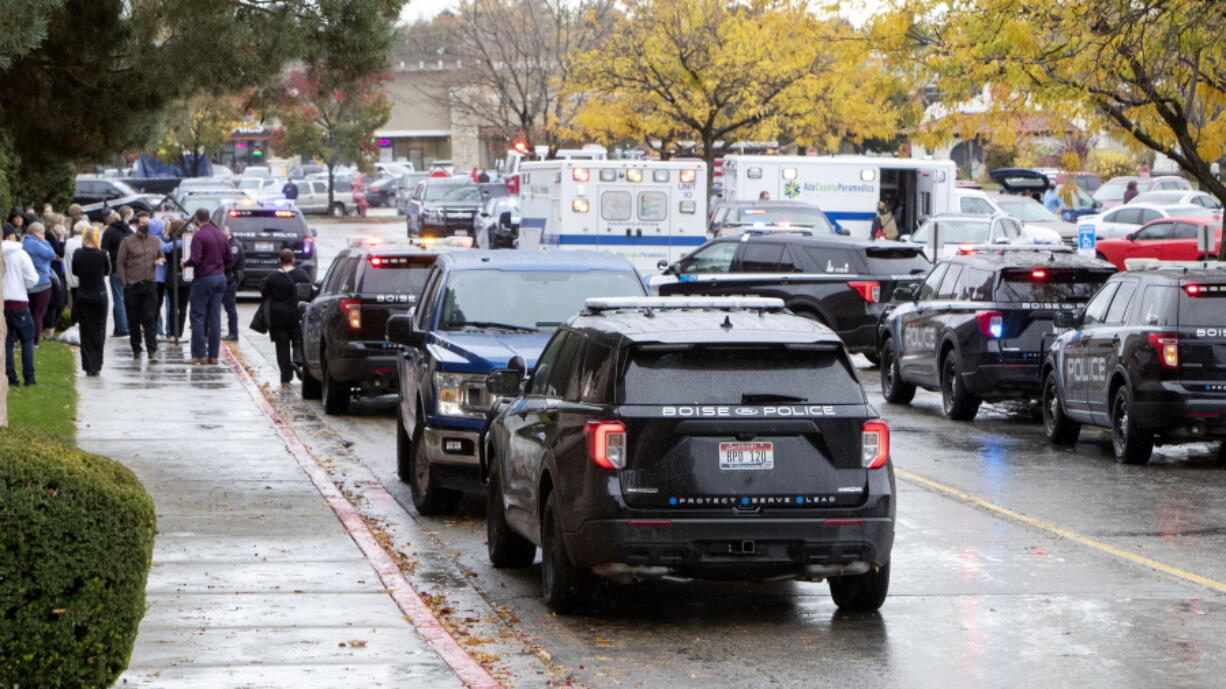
[477, 312]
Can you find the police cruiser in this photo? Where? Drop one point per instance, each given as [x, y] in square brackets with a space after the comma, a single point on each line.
[694, 437]
[1146, 357]
[978, 325]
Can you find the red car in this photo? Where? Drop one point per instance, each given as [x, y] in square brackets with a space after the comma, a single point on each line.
[1168, 239]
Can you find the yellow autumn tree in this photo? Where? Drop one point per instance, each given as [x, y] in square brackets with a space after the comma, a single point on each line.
[1152, 73]
[716, 72]
[192, 127]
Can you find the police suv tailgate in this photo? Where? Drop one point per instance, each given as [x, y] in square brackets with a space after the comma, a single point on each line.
[1029, 298]
[1202, 336]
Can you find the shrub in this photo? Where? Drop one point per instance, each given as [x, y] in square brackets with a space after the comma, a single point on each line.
[1108, 163]
[76, 542]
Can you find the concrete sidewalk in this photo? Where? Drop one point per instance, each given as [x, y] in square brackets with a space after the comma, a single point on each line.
[255, 582]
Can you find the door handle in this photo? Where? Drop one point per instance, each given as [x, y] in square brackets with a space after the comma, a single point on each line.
[638, 232]
[627, 231]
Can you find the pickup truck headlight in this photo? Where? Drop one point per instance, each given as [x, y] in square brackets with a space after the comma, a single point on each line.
[462, 395]
[432, 213]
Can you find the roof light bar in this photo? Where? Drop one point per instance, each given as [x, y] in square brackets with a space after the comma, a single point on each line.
[598, 304]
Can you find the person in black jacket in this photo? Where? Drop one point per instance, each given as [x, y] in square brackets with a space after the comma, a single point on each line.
[91, 265]
[280, 295]
[234, 278]
[116, 231]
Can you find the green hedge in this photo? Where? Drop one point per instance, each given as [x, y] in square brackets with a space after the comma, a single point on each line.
[76, 542]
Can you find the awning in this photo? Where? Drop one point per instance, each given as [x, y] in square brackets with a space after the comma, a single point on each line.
[412, 133]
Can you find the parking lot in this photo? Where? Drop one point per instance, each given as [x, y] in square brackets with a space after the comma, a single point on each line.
[1016, 564]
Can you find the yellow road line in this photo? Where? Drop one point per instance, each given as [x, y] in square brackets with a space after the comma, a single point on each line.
[1059, 531]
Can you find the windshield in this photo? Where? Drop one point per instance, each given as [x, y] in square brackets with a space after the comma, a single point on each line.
[528, 301]
[1206, 309]
[739, 375]
[452, 192]
[195, 203]
[807, 217]
[266, 221]
[1026, 210]
[955, 231]
[396, 275]
[1021, 285]
[250, 183]
[1111, 192]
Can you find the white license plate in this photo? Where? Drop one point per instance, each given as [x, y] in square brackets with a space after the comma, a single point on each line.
[747, 455]
[461, 233]
[265, 247]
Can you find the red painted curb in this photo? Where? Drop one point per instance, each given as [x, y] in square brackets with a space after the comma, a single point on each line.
[415, 609]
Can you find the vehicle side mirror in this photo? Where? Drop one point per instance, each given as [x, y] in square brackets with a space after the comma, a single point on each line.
[1131, 236]
[904, 293]
[504, 382]
[1067, 319]
[662, 264]
[504, 219]
[401, 331]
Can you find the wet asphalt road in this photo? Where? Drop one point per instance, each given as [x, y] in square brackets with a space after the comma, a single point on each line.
[1094, 584]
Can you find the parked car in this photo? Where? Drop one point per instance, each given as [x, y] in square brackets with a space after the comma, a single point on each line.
[257, 171]
[1167, 239]
[480, 309]
[313, 197]
[344, 344]
[381, 192]
[958, 229]
[497, 225]
[978, 325]
[729, 217]
[306, 169]
[1143, 358]
[396, 169]
[1023, 185]
[1111, 194]
[405, 185]
[98, 196]
[442, 208]
[841, 283]
[1127, 218]
[692, 438]
[1179, 198]
[264, 231]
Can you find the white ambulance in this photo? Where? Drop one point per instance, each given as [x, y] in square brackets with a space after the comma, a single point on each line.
[847, 188]
[647, 211]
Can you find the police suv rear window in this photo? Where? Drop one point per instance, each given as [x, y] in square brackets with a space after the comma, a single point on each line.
[395, 274]
[744, 375]
[1203, 304]
[896, 260]
[261, 220]
[1049, 285]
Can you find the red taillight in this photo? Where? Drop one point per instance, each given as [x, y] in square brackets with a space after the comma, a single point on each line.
[875, 444]
[351, 311]
[1166, 345]
[606, 443]
[869, 291]
[1192, 290]
[991, 324]
[1039, 274]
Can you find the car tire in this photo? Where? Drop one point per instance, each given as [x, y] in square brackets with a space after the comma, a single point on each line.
[894, 389]
[335, 394]
[1132, 445]
[862, 592]
[1057, 426]
[337, 210]
[507, 549]
[957, 402]
[429, 497]
[312, 389]
[566, 587]
[404, 450]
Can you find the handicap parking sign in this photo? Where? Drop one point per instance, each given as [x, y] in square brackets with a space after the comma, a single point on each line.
[1087, 240]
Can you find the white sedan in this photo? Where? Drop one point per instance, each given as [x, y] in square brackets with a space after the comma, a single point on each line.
[1122, 220]
[1179, 197]
[962, 229]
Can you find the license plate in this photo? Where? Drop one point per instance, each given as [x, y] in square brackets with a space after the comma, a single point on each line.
[265, 247]
[746, 455]
[461, 233]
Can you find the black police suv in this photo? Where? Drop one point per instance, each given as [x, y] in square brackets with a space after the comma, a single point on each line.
[716, 438]
[343, 327]
[264, 230]
[1146, 357]
[978, 326]
[841, 283]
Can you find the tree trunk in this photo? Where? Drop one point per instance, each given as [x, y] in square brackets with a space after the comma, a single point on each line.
[708, 157]
[4, 382]
[331, 184]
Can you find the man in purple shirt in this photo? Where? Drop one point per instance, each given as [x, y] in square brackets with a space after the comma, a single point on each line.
[208, 256]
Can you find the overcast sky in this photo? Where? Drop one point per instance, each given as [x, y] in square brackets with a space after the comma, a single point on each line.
[855, 10]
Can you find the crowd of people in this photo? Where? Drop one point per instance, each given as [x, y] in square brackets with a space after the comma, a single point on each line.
[61, 270]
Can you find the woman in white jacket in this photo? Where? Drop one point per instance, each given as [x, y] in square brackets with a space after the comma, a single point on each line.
[19, 276]
[70, 248]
